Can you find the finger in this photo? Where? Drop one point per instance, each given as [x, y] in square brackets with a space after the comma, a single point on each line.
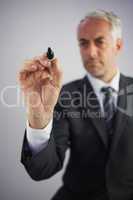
[27, 82]
[24, 74]
[41, 75]
[32, 65]
[44, 60]
[29, 65]
[38, 62]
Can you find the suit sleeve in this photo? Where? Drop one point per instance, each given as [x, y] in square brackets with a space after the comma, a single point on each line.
[50, 159]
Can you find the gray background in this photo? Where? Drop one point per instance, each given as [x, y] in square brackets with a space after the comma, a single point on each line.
[27, 28]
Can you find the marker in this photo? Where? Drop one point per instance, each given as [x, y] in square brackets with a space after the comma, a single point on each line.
[50, 53]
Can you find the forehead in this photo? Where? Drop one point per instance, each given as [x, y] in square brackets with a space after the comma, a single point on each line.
[92, 28]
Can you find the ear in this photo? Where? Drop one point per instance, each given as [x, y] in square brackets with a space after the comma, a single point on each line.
[119, 45]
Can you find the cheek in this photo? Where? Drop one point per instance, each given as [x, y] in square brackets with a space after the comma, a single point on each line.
[111, 56]
[81, 53]
[84, 55]
[107, 55]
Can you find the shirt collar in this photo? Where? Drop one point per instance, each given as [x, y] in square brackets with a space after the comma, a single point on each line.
[97, 84]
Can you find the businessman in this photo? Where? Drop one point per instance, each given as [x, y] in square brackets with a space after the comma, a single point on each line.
[92, 116]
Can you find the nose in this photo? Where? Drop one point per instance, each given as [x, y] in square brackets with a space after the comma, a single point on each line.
[92, 51]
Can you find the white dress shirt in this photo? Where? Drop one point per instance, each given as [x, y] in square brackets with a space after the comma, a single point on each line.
[38, 138]
[97, 84]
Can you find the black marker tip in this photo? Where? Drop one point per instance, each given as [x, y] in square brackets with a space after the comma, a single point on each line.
[50, 53]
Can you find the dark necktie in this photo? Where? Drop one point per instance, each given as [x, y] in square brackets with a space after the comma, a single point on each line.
[109, 110]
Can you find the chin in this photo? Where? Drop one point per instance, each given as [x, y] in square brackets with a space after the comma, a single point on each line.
[95, 69]
[96, 73]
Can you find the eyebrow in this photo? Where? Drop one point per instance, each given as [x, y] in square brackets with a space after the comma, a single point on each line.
[97, 38]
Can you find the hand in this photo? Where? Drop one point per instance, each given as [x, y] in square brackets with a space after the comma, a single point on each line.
[40, 81]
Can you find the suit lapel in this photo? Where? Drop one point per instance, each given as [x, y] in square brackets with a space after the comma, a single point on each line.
[92, 108]
[121, 117]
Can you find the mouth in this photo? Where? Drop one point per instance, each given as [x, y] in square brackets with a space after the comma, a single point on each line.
[94, 63]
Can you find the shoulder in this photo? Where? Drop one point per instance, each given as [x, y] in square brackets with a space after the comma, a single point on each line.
[128, 79]
[72, 85]
[68, 92]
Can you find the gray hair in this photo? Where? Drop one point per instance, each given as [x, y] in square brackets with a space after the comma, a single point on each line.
[113, 19]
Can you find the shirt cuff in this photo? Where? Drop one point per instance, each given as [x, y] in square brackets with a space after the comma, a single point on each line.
[38, 138]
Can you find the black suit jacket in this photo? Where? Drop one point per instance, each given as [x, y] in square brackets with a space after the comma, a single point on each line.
[93, 168]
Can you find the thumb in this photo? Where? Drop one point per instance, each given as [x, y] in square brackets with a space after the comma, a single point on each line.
[56, 72]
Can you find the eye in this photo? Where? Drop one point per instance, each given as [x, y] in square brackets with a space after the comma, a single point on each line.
[100, 42]
[83, 44]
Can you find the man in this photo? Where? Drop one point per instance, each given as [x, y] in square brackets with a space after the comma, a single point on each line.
[89, 116]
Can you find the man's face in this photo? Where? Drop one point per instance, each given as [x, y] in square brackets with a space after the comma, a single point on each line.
[97, 46]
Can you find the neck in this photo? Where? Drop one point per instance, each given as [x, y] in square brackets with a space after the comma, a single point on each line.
[107, 77]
